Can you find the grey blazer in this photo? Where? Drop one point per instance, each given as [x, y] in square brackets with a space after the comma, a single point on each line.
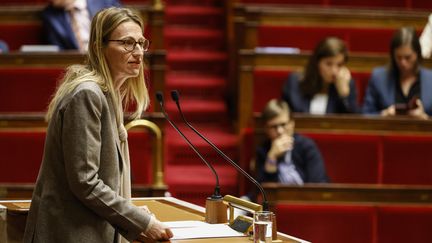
[76, 198]
[380, 92]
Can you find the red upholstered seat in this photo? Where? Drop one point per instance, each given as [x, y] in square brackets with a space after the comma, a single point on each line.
[306, 37]
[327, 223]
[22, 151]
[267, 84]
[397, 224]
[27, 89]
[21, 155]
[18, 34]
[140, 151]
[349, 158]
[407, 159]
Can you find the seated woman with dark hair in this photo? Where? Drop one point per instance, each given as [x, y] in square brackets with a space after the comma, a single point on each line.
[402, 88]
[326, 85]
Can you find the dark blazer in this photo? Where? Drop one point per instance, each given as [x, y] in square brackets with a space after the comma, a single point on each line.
[381, 89]
[76, 197]
[299, 103]
[57, 26]
[306, 158]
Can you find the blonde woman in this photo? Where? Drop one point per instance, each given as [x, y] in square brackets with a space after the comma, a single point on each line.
[82, 193]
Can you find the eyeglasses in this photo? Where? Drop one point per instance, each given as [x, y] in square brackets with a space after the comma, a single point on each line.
[130, 44]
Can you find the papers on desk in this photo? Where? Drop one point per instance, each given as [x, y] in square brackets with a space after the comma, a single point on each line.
[198, 229]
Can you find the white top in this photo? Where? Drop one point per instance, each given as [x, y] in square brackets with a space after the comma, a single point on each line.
[82, 16]
[426, 39]
[318, 104]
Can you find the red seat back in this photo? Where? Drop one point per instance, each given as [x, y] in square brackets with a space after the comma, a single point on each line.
[407, 159]
[327, 223]
[21, 155]
[18, 34]
[27, 89]
[349, 158]
[397, 224]
[306, 37]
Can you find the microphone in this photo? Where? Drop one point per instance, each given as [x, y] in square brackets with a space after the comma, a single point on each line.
[175, 96]
[215, 211]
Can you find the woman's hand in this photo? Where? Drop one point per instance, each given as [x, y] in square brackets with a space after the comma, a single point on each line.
[418, 112]
[389, 111]
[158, 231]
[342, 82]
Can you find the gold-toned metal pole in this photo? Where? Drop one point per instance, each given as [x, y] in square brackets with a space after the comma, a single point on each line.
[158, 5]
[158, 170]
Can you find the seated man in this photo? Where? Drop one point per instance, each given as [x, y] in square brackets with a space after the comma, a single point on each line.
[286, 157]
[66, 23]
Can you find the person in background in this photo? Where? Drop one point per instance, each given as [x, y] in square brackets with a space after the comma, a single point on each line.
[402, 88]
[83, 191]
[4, 48]
[426, 39]
[326, 85]
[285, 156]
[66, 23]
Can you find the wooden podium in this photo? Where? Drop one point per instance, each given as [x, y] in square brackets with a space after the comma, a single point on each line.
[13, 216]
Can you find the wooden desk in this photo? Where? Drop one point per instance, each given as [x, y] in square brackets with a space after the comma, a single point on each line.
[165, 209]
[355, 193]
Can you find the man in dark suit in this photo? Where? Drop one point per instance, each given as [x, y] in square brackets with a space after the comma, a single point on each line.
[66, 22]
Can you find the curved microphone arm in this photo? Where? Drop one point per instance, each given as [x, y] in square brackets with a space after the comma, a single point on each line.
[175, 97]
[216, 194]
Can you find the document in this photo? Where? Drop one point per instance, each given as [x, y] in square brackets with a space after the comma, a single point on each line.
[197, 229]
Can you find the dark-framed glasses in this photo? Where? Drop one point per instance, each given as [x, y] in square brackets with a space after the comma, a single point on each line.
[130, 44]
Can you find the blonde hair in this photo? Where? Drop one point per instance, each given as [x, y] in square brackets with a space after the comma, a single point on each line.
[97, 70]
[274, 108]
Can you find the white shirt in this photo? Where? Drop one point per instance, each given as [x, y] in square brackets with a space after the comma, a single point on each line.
[82, 16]
[426, 39]
[318, 104]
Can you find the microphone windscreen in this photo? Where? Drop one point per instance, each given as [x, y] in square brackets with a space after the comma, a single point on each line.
[175, 95]
[159, 96]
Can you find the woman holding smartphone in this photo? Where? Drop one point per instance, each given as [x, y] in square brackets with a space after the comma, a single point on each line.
[402, 88]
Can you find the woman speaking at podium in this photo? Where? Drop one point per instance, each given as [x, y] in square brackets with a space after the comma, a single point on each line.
[82, 193]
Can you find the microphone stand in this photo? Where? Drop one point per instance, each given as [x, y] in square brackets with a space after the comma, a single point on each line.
[175, 97]
[216, 210]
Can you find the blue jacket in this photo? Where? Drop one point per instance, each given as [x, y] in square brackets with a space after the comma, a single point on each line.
[381, 89]
[57, 24]
[299, 103]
